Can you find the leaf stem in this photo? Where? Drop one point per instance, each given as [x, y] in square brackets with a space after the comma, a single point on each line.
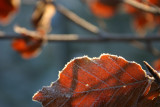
[153, 72]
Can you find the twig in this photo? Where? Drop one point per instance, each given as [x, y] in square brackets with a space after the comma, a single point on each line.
[153, 72]
[77, 38]
[144, 7]
[78, 20]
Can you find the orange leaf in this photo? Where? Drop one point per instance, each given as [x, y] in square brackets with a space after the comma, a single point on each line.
[155, 2]
[143, 22]
[7, 9]
[103, 9]
[140, 21]
[108, 81]
[29, 46]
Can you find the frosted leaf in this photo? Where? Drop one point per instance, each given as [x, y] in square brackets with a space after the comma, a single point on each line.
[96, 82]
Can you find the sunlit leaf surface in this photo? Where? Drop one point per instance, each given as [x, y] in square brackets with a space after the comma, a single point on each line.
[108, 81]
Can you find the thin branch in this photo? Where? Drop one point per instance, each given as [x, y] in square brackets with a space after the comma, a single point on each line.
[144, 7]
[77, 38]
[78, 20]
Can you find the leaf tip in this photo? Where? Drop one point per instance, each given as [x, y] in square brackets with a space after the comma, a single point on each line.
[38, 96]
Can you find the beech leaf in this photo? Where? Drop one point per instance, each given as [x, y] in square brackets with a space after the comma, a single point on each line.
[29, 46]
[103, 8]
[107, 81]
[7, 9]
